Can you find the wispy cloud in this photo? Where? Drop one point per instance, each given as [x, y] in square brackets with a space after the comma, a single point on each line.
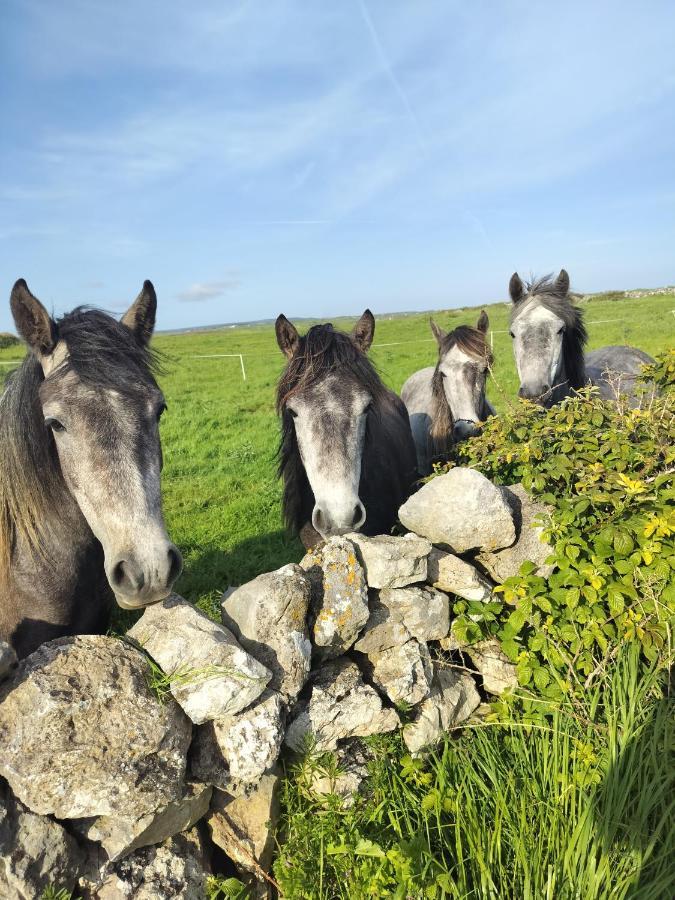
[208, 290]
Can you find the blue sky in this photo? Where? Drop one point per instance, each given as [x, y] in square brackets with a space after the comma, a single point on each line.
[317, 157]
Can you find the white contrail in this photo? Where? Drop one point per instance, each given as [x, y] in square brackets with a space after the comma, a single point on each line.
[386, 65]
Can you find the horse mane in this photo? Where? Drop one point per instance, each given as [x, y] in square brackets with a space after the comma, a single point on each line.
[548, 293]
[103, 353]
[322, 352]
[472, 342]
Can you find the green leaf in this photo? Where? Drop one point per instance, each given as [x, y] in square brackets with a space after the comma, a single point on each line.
[623, 543]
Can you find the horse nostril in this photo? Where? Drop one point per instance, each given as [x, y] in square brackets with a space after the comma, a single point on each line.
[127, 577]
[319, 519]
[358, 515]
[175, 564]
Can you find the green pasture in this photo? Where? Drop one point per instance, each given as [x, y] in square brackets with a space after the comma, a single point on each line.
[566, 806]
[222, 496]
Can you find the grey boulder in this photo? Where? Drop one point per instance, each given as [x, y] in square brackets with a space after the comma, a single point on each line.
[390, 561]
[210, 675]
[268, 616]
[531, 518]
[35, 852]
[452, 700]
[244, 827]
[121, 835]
[403, 673]
[176, 869]
[452, 574]
[340, 705]
[339, 596]
[81, 734]
[460, 510]
[233, 753]
[399, 614]
[497, 671]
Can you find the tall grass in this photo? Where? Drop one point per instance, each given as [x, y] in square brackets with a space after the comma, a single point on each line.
[579, 806]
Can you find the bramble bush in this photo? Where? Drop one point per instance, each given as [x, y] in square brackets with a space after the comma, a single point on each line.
[606, 471]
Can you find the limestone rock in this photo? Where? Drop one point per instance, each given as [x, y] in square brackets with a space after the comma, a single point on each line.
[210, 674]
[452, 700]
[498, 673]
[383, 630]
[8, 660]
[530, 518]
[450, 573]
[339, 596]
[460, 510]
[424, 610]
[35, 852]
[340, 705]
[244, 827]
[82, 735]
[403, 673]
[177, 869]
[120, 835]
[391, 561]
[268, 616]
[233, 754]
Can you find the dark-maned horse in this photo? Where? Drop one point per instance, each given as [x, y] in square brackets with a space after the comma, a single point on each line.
[548, 343]
[347, 457]
[80, 461]
[447, 403]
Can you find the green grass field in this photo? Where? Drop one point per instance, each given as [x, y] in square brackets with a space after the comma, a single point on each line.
[222, 496]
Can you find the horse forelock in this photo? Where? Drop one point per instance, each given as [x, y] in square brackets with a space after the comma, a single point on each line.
[322, 352]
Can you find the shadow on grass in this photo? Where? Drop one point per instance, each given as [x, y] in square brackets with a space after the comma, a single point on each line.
[211, 570]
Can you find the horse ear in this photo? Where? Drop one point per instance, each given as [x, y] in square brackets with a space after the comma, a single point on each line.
[140, 317]
[516, 288]
[288, 338]
[483, 322]
[32, 320]
[438, 333]
[363, 331]
[562, 282]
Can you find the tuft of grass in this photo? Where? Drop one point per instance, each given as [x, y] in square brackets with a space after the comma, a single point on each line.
[162, 683]
[579, 806]
[54, 893]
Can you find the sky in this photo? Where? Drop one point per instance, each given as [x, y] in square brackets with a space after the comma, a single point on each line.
[253, 157]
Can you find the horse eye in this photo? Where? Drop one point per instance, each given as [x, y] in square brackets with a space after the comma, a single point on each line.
[512, 334]
[292, 412]
[561, 330]
[54, 424]
[161, 409]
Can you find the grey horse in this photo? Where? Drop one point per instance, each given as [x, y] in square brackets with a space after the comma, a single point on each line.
[80, 460]
[346, 456]
[548, 343]
[447, 403]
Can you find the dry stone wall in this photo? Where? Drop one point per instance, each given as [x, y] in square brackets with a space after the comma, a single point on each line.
[125, 762]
